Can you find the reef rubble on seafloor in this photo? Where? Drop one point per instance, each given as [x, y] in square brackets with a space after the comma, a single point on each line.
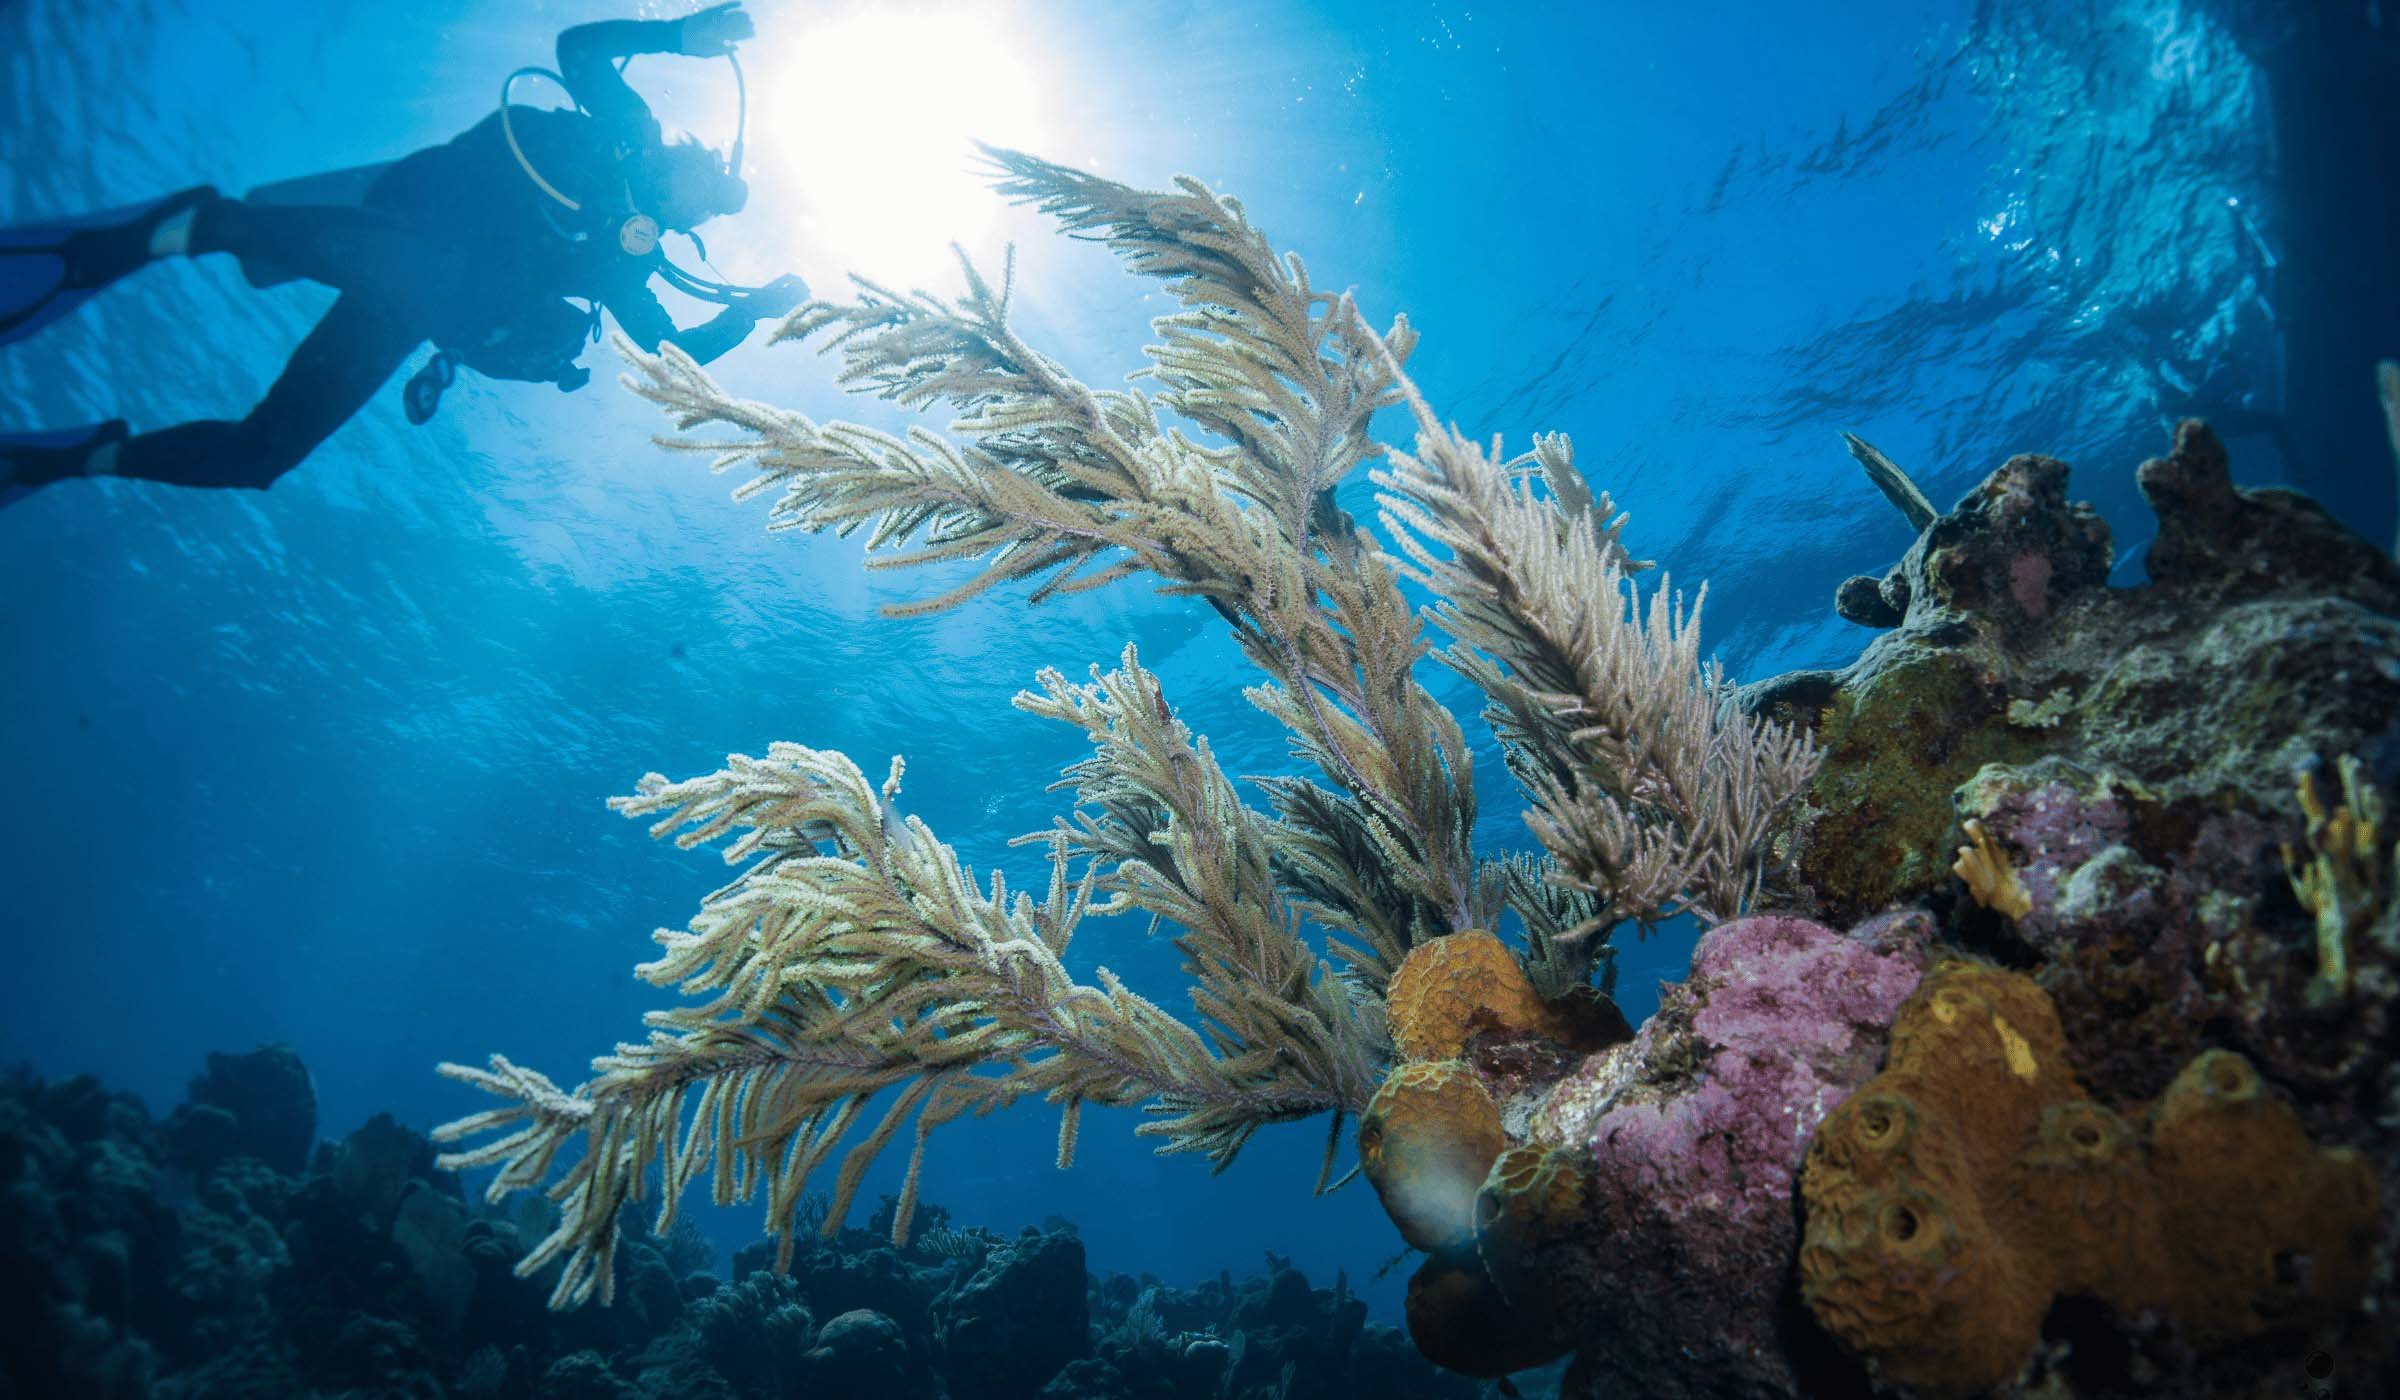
[224, 1250]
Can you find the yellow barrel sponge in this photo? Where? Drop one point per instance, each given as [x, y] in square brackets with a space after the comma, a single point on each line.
[1899, 1260]
[2263, 1228]
[1960, 1192]
[1448, 989]
[1430, 1135]
[2084, 1185]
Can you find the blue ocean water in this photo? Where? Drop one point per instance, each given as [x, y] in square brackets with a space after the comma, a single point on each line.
[326, 765]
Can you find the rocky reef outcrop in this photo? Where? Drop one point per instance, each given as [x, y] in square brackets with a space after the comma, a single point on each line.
[2266, 635]
[1613, 1200]
[2089, 906]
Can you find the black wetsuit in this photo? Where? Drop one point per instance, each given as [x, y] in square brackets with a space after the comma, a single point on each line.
[457, 246]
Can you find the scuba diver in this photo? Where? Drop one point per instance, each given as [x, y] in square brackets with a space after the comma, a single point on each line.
[476, 246]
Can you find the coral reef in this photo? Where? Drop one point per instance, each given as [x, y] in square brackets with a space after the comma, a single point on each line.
[1960, 1192]
[854, 954]
[2168, 1156]
[261, 1105]
[2169, 795]
[138, 1260]
[2159, 806]
[1007, 1327]
[2267, 634]
[1640, 1184]
[2143, 810]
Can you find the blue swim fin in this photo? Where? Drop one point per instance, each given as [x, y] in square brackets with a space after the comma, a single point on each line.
[48, 269]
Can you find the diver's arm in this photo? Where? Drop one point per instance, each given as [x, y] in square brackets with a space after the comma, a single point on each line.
[716, 335]
[588, 55]
[647, 324]
[587, 59]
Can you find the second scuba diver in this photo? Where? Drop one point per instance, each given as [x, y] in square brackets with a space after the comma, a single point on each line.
[475, 246]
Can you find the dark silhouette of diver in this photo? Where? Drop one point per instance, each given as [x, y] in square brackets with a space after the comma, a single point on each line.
[475, 246]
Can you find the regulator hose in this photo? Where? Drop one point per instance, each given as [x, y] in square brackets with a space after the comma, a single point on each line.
[689, 283]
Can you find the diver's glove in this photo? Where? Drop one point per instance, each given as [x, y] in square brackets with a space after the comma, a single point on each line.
[713, 32]
[777, 298]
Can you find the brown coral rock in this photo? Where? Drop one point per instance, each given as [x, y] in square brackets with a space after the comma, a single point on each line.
[2267, 631]
[1429, 1137]
[1459, 1320]
[1449, 989]
[1533, 1196]
[1973, 1182]
[2235, 541]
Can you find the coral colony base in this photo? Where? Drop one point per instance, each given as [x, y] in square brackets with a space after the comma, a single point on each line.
[2059, 1067]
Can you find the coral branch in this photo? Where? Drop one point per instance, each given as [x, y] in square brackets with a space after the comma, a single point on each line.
[854, 960]
[848, 959]
[1649, 790]
[1895, 484]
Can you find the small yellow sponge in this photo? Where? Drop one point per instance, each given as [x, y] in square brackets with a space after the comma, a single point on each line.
[1450, 988]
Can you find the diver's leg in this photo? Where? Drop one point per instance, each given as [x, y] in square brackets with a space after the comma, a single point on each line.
[29, 461]
[330, 377]
[363, 251]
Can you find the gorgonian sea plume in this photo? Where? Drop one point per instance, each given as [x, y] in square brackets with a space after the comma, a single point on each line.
[854, 955]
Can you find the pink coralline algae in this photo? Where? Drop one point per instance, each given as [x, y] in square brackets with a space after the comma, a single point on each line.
[2029, 583]
[2150, 921]
[1697, 1127]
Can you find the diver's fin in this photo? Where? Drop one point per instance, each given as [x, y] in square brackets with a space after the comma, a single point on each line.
[31, 461]
[48, 269]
